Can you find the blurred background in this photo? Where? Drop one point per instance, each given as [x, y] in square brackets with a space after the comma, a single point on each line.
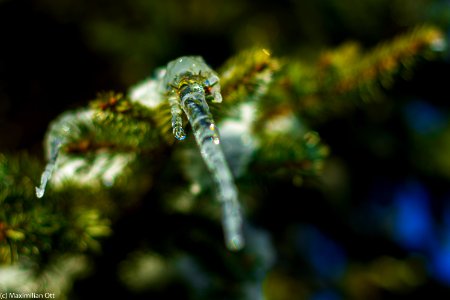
[378, 227]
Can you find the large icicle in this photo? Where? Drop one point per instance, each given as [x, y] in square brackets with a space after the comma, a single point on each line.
[193, 81]
[207, 137]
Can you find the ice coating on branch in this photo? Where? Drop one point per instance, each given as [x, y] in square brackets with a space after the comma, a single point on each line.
[189, 82]
[186, 70]
[192, 65]
[147, 93]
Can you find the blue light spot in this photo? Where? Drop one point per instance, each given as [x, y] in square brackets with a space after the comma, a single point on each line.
[440, 256]
[413, 224]
[326, 257]
[441, 263]
[424, 118]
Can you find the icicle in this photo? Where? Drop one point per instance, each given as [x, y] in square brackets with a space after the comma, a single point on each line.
[189, 78]
[207, 137]
[177, 120]
[66, 125]
[47, 174]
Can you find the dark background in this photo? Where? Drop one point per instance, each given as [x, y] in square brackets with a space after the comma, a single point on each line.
[57, 55]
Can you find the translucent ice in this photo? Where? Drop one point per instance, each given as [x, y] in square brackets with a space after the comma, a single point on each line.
[188, 82]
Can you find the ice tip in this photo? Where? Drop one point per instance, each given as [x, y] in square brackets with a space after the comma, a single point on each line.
[180, 137]
[236, 243]
[40, 192]
[179, 134]
[217, 97]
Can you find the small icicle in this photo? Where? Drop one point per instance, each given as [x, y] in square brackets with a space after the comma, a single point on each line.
[47, 174]
[177, 120]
